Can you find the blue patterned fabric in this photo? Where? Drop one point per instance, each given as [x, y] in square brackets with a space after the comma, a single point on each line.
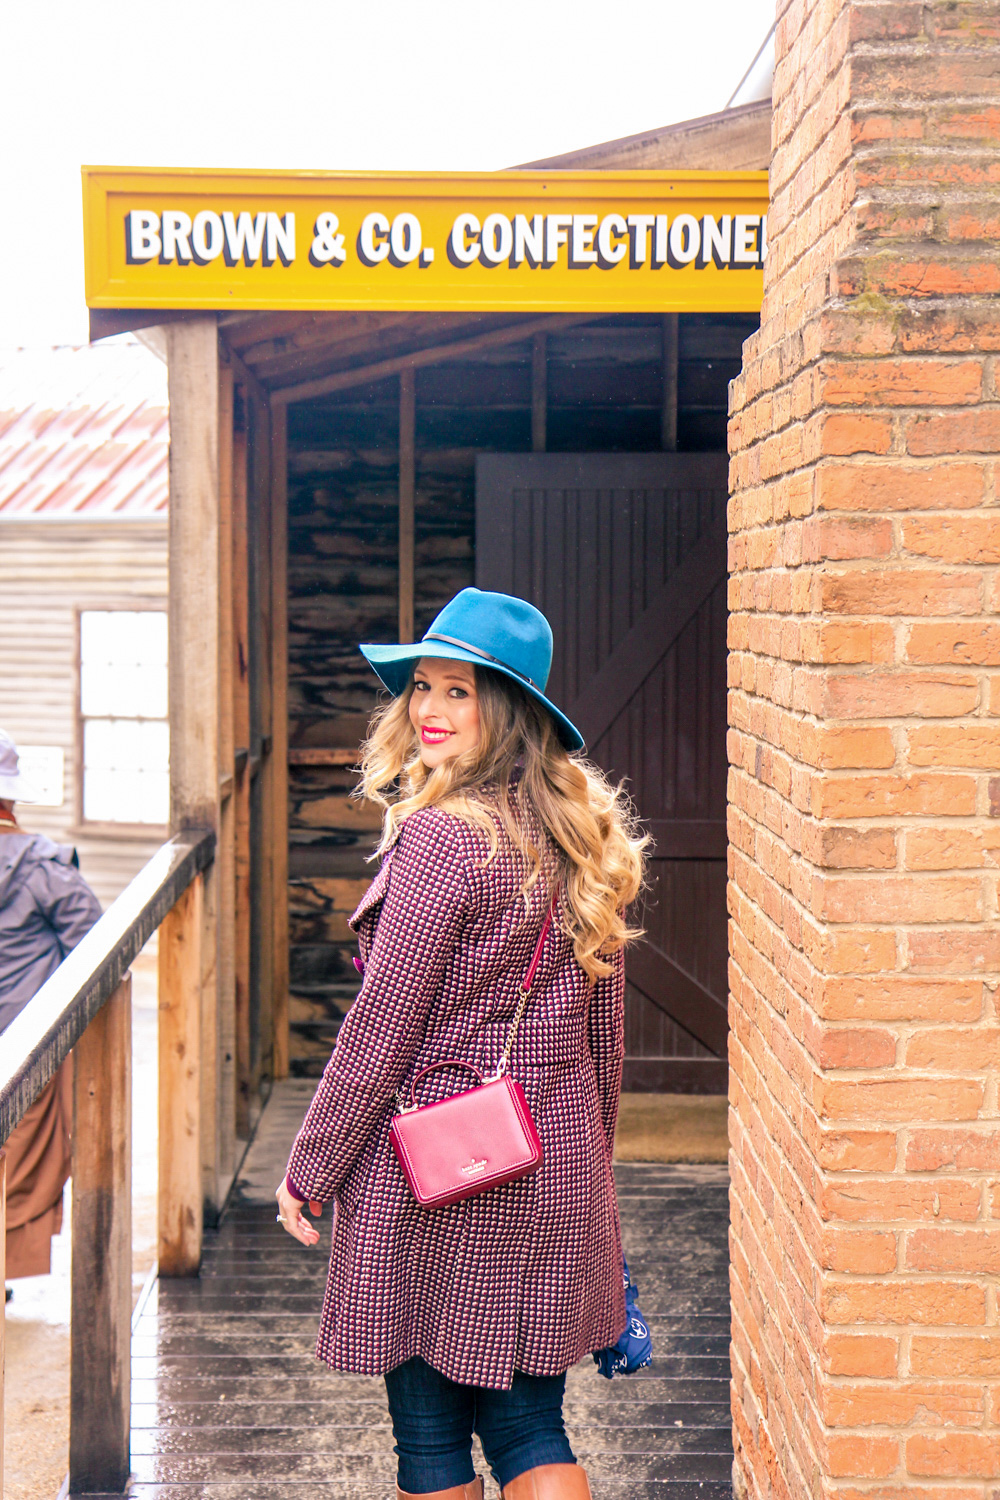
[635, 1347]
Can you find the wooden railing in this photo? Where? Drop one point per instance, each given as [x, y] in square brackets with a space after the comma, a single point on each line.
[86, 1007]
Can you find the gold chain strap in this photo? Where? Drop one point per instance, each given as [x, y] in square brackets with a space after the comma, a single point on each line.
[504, 1062]
[526, 985]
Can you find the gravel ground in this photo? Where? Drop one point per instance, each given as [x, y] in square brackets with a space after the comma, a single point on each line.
[673, 1128]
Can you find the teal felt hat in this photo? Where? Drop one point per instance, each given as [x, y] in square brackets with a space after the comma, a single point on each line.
[507, 635]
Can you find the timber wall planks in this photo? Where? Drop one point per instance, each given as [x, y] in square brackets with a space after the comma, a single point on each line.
[342, 580]
[49, 570]
[603, 390]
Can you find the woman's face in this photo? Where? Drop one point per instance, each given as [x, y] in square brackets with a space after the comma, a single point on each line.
[444, 709]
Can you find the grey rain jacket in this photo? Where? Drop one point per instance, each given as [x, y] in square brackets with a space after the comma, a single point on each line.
[46, 907]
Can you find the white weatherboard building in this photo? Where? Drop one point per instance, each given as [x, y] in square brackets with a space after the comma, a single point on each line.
[83, 587]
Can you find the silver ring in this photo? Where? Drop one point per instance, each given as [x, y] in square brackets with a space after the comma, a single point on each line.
[278, 1219]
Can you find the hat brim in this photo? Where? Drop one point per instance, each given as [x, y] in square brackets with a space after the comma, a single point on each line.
[394, 664]
[17, 789]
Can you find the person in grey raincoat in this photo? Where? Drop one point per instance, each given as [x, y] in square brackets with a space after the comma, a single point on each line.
[46, 907]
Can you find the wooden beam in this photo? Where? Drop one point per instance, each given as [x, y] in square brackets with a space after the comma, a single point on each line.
[107, 323]
[675, 1075]
[194, 627]
[514, 333]
[323, 755]
[225, 853]
[242, 371]
[241, 797]
[38, 1040]
[289, 351]
[277, 761]
[261, 802]
[671, 348]
[180, 1196]
[407, 485]
[539, 392]
[333, 346]
[737, 139]
[193, 378]
[100, 1323]
[642, 647]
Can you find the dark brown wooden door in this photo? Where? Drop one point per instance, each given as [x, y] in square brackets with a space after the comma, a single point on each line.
[626, 555]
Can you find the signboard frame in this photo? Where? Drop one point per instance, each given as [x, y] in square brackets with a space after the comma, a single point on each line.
[523, 241]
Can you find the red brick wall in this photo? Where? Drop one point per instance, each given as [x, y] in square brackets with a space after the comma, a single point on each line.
[865, 782]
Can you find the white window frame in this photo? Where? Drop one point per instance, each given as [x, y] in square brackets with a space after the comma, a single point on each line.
[84, 825]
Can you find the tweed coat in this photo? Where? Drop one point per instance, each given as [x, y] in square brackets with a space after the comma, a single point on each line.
[522, 1277]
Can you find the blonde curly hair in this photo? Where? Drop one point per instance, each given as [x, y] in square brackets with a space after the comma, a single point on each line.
[591, 823]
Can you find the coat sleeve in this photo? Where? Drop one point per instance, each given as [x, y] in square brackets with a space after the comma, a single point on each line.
[606, 1037]
[426, 904]
[65, 900]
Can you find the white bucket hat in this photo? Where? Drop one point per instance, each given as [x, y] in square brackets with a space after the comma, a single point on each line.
[13, 786]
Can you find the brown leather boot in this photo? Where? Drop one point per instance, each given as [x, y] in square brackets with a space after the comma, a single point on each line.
[550, 1482]
[471, 1491]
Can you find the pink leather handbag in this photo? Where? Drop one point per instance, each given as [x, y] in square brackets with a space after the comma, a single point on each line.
[475, 1140]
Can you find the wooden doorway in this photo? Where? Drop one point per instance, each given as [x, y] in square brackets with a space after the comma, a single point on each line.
[601, 389]
[626, 555]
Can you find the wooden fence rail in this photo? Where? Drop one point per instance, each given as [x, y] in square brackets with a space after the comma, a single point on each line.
[86, 1007]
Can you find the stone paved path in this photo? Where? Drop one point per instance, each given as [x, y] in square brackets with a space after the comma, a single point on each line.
[230, 1404]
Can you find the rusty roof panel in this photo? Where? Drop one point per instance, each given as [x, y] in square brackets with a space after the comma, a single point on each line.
[83, 433]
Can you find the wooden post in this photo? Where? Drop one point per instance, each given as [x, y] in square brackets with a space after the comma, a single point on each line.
[241, 784]
[671, 348]
[539, 392]
[278, 760]
[100, 1322]
[261, 800]
[407, 485]
[180, 1198]
[226, 847]
[193, 373]
[194, 529]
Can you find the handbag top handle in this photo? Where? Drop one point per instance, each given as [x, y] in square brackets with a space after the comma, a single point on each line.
[526, 984]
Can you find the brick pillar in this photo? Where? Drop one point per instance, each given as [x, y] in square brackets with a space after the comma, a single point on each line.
[865, 786]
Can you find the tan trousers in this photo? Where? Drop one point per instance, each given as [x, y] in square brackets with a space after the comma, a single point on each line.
[38, 1164]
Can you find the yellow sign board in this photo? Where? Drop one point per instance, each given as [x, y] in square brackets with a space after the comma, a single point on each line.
[428, 241]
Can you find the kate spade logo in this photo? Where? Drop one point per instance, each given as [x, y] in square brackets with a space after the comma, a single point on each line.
[473, 1168]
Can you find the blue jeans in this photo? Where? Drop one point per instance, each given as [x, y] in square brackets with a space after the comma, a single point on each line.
[433, 1420]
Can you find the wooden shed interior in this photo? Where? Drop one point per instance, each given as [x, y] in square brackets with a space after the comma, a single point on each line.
[389, 435]
[584, 389]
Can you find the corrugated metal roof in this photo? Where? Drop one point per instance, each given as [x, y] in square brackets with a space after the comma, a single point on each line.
[83, 433]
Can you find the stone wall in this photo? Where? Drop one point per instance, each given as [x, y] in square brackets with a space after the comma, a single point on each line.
[865, 746]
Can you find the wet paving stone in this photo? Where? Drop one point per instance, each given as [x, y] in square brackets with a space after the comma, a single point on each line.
[611, 1489]
[229, 1402]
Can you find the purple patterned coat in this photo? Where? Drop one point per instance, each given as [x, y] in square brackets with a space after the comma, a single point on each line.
[526, 1276]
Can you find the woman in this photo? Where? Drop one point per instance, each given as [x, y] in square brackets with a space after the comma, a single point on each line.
[474, 1312]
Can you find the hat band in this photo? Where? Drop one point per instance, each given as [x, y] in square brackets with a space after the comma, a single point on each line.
[450, 640]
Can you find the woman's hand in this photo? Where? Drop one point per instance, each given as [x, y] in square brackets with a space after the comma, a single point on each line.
[293, 1219]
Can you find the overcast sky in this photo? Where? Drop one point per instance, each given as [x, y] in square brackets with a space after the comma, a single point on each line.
[318, 83]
